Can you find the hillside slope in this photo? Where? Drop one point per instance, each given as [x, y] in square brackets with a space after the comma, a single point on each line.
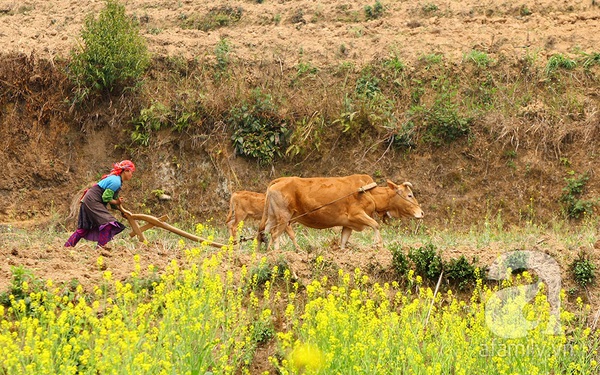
[514, 166]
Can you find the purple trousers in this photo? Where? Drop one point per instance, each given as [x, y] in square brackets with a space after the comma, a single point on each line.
[102, 234]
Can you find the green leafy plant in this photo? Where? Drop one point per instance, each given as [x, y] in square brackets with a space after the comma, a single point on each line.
[405, 137]
[366, 108]
[262, 331]
[158, 116]
[517, 262]
[441, 123]
[591, 59]
[429, 8]
[583, 270]
[394, 64]
[400, 261]
[573, 205]
[461, 272]
[367, 85]
[258, 131]
[22, 284]
[261, 273]
[222, 50]
[306, 68]
[432, 59]
[113, 52]
[525, 11]
[150, 120]
[479, 58]
[559, 61]
[375, 11]
[427, 261]
[307, 135]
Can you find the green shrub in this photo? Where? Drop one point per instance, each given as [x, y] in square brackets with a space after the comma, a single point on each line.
[429, 8]
[441, 123]
[261, 273]
[306, 68]
[460, 272]
[308, 135]
[150, 120]
[112, 54]
[427, 262]
[159, 116]
[400, 261]
[405, 137]
[573, 206]
[517, 261]
[222, 50]
[367, 86]
[394, 64]
[417, 91]
[375, 11]
[258, 131]
[432, 59]
[262, 331]
[583, 270]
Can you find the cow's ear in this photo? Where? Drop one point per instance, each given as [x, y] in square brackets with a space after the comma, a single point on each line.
[392, 185]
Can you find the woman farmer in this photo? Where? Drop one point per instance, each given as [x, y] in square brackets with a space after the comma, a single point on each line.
[95, 223]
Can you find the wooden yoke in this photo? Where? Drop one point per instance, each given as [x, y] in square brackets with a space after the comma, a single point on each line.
[370, 186]
[158, 222]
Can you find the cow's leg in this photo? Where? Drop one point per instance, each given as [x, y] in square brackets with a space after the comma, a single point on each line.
[292, 235]
[281, 225]
[232, 226]
[275, 238]
[378, 238]
[368, 221]
[346, 232]
[262, 226]
[231, 219]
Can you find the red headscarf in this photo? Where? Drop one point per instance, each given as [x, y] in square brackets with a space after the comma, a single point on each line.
[118, 168]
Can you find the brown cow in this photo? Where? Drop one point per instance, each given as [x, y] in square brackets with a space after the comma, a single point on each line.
[325, 202]
[243, 205]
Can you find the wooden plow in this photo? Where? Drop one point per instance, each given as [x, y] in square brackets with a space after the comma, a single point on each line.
[152, 222]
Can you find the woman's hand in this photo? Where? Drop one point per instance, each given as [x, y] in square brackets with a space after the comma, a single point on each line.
[117, 201]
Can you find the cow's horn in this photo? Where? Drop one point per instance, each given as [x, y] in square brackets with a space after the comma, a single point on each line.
[408, 184]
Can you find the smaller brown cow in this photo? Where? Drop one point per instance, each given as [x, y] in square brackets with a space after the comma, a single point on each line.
[242, 205]
[246, 205]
